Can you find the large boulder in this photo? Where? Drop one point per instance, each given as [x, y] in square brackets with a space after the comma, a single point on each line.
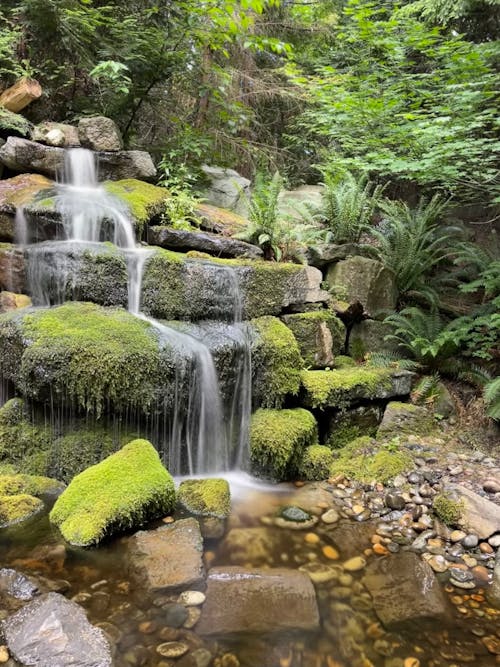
[278, 439]
[347, 425]
[405, 592]
[52, 631]
[258, 601]
[368, 336]
[320, 335]
[225, 188]
[167, 559]
[23, 155]
[45, 134]
[276, 362]
[213, 244]
[99, 134]
[126, 490]
[344, 387]
[478, 515]
[363, 280]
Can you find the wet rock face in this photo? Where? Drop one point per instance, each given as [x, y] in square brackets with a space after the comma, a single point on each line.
[52, 631]
[12, 269]
[184, 240]
[258, 600]
[167, 558]
[405, 590]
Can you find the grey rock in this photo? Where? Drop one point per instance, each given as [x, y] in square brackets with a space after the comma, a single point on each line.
[168, 558]
[226, 189]
[395, 501]
[368, 336]
[99, 134]
[491, 485]
[12, 269]
[17, 585]
[52, 631]
[402, 418]
[405, 591]
[213, 244]
[294, 514]
[479, 515]
[257, 600]
[470, 541]
[69, 133]
[330, 253]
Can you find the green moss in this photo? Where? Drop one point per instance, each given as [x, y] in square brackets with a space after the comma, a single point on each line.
[448, 509]
[205, 497]
[14, 122]
[357, 349]
[276, 362]
[316, 463]
[308, 329]
[366, 460]
[122, 492]
[406, 418]
[143, 200]
[339, 388]
[82, 354]
[22, 443]
[34, 485]
[277, 441]
[17, 508]
[343, 361]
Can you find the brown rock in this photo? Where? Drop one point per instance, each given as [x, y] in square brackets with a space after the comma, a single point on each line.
[257, 600]
[12, 270]
[11, 301]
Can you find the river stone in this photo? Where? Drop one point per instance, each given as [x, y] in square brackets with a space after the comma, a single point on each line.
[99, 134]
[52, 631]
[167, 558]
[493, 591]
[363, 280]
[213, 244]
[258, 600]
[479, 515]
[17, 585]
[351, 539]
[405, 591]
[252, 545]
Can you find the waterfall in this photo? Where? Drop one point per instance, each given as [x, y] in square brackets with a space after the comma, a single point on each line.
[200, 434]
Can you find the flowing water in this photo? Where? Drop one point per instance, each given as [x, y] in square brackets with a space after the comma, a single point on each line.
[201, 434]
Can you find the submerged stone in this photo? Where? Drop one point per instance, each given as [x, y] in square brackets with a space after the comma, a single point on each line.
[17, 585]
[295, 514]
[17, 508]
[122, 492]
[205, 497]
[277, 441]
[167, 558]
[53, 631]
[258, 601]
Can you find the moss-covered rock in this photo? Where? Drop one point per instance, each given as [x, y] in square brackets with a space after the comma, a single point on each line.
[406, 418]
[81, 354]
[13, 123]
[278, 439]
[316, 463]
[33, 485]
[205, 497]
[17, 508]
[347, 425]
[143, 200]
[344, 361]
[448, 509]
[343, 387]
[23, 444]
[122, 492]
[320, 335]
[366, 460]
[276, 362]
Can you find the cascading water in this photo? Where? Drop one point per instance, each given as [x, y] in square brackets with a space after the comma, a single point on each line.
[193, 434]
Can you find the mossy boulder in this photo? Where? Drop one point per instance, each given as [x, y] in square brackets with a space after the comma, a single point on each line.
[278, 439]
[13, 124]
[33, 485]
[81, 354]
[143, 200]
[23, 443]
[367, 460]
[368, 336]
[343, 387]
[448, 509]
[276, 362]
[320, 335]
[17, 508]
[405, 418]
[364, 280]
[123, 492]
[205, 497]
[316, 463]
[347, 425]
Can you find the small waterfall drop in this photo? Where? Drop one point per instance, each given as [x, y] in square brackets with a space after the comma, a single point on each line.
[200, 433]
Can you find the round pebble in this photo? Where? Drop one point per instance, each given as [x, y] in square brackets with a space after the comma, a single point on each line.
[491, 485]
[4, 654]
[470, 541]
[311, 538]
[494, 541]
[332, 516]
[354, 564]
[330, 552]
[192, 598]
[457, 535]
[172, 649]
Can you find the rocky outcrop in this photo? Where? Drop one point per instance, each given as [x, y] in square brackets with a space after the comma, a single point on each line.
[99, 133]
[226, 188]
[369, 336]
[213, 244]
[219, 220]
[405, 591]
[19, 191]
[12, 269]
[29, 156]
[52, 631]
[363, 280]
[405, 418]
[168, 558]
[258, 601]
[45, 133]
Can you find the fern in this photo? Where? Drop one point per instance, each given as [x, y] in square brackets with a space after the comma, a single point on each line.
[426, 390]
[391, 360]
[492, 398]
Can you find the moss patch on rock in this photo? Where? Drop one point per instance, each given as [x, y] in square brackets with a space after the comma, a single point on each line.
[22, 443]
[143, 200]
[366, 460]
[276, 362]
[348, 425]
[448, 509]
[406, 418]
[341, 387]
[278, 439]
[320, 335]
[122, 492]
[205, 497]
[33, 485]
[316, 463]
[13, 123]
[17, 508]
[81, 354]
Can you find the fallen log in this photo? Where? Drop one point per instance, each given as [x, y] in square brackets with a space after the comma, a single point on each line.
[20, 94]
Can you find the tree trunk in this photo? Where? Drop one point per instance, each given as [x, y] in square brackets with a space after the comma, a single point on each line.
[20, 94]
